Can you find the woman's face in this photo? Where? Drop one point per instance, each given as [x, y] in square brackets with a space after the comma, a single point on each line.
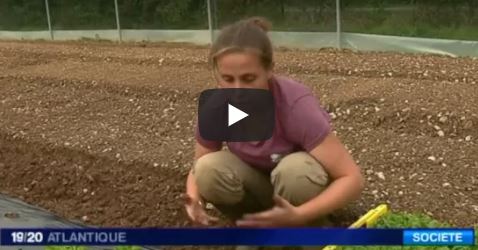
[241, 70]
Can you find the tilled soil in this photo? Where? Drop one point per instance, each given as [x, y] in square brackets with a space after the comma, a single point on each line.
[103, 133]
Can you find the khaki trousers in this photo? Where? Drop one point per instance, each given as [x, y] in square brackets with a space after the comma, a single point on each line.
[235, 188]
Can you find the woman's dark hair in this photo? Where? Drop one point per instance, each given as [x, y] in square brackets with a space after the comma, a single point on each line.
[245, 35]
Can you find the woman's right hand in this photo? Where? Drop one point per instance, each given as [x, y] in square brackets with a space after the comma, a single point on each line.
[196, 211]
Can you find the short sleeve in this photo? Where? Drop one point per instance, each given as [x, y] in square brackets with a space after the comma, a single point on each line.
[307, 123]
[215, 145]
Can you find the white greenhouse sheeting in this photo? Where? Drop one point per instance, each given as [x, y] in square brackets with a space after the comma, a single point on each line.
[304, 40]
[29, 216]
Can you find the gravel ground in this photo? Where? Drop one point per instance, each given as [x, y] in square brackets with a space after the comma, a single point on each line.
[103, 133]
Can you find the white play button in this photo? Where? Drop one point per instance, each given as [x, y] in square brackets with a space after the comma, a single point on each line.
[234, 115]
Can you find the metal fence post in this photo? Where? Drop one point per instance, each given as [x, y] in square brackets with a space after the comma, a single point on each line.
[118, 25]
[48, 18]
[209, 20]
[339, 24]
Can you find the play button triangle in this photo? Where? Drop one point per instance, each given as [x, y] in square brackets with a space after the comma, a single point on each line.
[235, 115]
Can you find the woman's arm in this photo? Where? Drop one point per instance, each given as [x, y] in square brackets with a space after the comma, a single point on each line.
[347, 184]
[194, 205]
[347, 180]
[191, 187]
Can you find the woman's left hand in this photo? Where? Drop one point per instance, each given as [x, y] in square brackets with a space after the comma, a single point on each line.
[283, 214]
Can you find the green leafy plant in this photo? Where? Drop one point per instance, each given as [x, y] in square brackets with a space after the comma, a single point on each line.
[407, 220]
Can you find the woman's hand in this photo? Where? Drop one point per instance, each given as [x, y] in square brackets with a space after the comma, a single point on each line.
[283, 214]
[196, 212]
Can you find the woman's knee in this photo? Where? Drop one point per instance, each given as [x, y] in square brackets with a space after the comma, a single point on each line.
[216, 181]
[299, 177]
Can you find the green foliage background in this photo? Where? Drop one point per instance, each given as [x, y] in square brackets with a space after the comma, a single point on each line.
[454, 19]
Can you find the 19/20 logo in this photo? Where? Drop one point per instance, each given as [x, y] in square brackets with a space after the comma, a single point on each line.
[27, 237]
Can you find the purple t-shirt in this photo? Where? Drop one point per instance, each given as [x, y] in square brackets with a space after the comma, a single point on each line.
[300, 125]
